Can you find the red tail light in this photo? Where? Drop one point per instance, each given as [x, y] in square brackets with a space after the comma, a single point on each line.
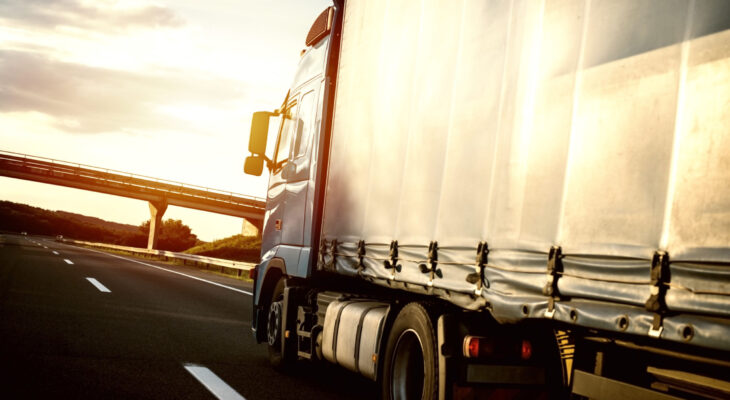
[506, 349]
[471, 347]
[526, 349]
[476, 346]
[253, 272]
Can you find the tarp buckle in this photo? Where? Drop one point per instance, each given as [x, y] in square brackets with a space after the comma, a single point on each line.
[656, 327]
[550, 311]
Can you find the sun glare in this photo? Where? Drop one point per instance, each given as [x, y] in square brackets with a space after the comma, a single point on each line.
[162, 89]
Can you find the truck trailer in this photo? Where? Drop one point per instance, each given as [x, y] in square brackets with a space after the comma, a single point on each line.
[503, 199]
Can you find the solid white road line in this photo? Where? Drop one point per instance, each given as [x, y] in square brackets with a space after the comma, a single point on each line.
[98, 285]
[55, 252]
[176, 272]
[68, 261]
[213, 383]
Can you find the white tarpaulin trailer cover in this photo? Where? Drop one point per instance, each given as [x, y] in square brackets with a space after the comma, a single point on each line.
[598, 129]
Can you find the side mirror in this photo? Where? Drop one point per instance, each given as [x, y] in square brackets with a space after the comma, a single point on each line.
[259, 132]
[254, 165]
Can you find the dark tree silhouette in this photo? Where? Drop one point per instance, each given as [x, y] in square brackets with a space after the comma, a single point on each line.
[173, 235]
[15, 217]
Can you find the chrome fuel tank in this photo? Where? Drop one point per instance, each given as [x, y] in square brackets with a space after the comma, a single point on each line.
[352, 333]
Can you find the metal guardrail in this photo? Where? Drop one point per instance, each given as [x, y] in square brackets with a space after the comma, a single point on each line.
[239, 265]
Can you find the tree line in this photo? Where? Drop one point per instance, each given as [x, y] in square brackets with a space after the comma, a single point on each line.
[15, 217]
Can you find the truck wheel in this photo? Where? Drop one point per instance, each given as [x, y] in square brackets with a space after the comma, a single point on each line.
[410, 369]
[274, 326]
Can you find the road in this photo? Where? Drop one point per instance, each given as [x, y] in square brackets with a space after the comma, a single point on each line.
[79, 323]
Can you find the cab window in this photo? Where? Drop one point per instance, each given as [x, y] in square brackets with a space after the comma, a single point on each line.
[285, 135]
[304, 124]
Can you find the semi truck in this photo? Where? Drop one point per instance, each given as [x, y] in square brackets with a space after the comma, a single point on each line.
[503, 199]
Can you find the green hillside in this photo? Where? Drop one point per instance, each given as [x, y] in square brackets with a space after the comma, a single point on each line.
[93, 221]
[236, 247]
[38, 221]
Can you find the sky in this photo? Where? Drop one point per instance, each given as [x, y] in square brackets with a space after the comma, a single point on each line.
[158, 88]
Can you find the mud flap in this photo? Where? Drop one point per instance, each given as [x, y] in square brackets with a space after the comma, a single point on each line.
[259, 320]
[444, 330]
[293, 296]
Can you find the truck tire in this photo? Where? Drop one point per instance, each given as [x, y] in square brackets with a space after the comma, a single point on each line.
[274, 331]
[410, 366]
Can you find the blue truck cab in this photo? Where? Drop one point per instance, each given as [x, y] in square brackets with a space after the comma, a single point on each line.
[295, 166]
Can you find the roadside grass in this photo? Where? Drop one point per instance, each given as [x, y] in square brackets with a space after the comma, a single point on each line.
[236, 248]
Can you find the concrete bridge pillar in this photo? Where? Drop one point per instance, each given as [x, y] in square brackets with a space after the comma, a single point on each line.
[252, 227]
[157, 210]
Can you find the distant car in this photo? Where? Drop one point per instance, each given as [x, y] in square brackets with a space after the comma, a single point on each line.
[59, 238]
[24, 233]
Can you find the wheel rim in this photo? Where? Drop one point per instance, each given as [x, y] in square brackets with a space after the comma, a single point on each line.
[274, 324]
[408, 367]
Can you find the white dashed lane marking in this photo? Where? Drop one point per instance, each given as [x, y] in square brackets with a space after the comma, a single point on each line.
[68, 261]
[98, 285]
[213, 383]
[55, 252]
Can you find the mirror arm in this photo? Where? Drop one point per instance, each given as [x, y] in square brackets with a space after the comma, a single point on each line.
[269, 162]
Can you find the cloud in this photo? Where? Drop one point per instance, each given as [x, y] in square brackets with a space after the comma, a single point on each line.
[99, 16]
[85, 99]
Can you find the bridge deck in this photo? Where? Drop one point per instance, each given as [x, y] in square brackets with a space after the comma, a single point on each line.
[135, 186]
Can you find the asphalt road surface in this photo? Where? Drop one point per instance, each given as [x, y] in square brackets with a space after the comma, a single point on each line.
[79, 323]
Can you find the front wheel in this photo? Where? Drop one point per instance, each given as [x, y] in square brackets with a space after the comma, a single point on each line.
[410, 369]
[274, 325]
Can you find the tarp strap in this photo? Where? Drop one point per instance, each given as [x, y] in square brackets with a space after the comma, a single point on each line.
[360, 256]
[477, 277]
[321, 264]
[393, 263]
[433, 260]
[554, 269]
[656, 303]
[333, 251]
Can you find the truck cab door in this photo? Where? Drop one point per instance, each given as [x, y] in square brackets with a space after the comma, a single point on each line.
[297, 175]
[289, 183]
[276, 193]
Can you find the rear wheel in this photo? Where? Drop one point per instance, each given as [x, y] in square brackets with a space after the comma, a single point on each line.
[410, 369]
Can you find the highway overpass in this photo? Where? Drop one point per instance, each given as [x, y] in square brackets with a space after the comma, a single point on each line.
[158, 192]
